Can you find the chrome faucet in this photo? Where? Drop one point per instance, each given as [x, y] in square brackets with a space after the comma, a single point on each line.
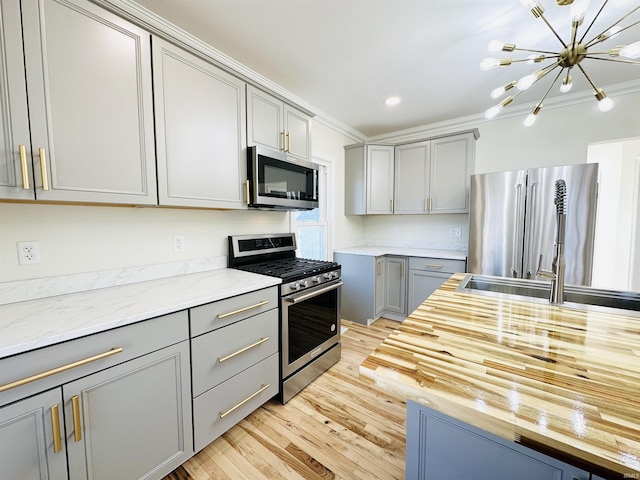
[558, 266]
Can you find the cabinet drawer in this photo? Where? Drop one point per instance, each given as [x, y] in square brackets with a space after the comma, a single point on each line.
[218, 314]
[221, 354]
[241, 392]
[437, 264]
[135, 340]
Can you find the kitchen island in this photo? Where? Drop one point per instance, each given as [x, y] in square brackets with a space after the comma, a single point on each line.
[563, 381]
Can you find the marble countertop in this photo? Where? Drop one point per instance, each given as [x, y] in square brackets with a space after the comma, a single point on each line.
[38, 323]
[539, 374]
[377, 251]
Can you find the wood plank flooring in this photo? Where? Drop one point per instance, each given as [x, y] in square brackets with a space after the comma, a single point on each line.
[339, 427]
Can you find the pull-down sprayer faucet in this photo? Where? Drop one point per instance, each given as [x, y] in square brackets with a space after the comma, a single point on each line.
[556, 275]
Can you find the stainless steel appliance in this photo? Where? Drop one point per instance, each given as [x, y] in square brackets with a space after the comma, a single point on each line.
[512, 221]
[309, 305]
[277, 181]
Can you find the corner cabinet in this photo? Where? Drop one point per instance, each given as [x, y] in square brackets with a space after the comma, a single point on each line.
[88, 77]
[433, 176]
[369, 180]
[201, 149]
[275, 124]
[440, 447]
[395, 292]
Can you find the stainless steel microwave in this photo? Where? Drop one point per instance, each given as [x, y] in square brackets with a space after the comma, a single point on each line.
[279, 182]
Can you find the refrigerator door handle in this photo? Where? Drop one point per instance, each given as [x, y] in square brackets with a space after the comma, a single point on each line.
[519, 226]
[530, 229]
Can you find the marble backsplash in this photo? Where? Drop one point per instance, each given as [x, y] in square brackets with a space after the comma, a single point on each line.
[23, 290]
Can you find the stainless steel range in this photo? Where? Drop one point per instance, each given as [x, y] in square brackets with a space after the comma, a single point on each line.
[309, 305]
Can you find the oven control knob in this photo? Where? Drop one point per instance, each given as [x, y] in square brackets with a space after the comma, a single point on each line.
[317, 279]
[327, 275]
[304, 284]
[295, 286]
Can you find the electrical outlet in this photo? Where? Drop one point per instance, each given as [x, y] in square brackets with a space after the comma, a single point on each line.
[178, 243]
[456, 232]
[28, 253]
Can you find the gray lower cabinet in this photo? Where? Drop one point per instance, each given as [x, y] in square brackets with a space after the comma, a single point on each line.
[88, 77]
[426, 275]
[440, 447]
[201, 146]
[116, 404]
[27, 437]
[395, 280]
[362, 296]
[234, 361]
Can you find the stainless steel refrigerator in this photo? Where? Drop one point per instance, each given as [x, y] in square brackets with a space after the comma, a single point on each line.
[512, 221]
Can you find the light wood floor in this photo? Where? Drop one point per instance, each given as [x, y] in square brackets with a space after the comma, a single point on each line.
[339, 427]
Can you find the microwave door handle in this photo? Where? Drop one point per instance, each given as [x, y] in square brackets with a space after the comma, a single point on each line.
[315, 184]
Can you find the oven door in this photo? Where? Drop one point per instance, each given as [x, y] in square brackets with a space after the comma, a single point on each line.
[310, 325]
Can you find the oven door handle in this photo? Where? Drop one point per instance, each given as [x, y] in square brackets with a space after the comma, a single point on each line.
[315, 293]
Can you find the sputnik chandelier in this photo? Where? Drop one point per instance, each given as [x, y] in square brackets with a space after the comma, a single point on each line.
[570, 56]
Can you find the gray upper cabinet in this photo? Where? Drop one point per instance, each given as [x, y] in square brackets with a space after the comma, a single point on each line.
[200, 118]
[16, 173]
[88, 78]
[369, 179]
[274, 124]
[433, 176]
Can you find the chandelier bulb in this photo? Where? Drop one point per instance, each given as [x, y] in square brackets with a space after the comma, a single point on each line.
[604, 103]
[489, 63]
[566, 84]
[526, 81]
[530, 120]
[498, 92]
[631, 51]
[535, 58]
[609, 33]
[495, 46]
[578, 9]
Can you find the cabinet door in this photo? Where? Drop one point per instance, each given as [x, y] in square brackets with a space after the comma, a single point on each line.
[26, 435]
[379, 179]
[451, 164]
[135, 418]
[200, 118]
[440, 447]
[16, 173]
[412, 178]
[395, 280]
[264, 119]
[90, 104]
[421, 285]
[298, 128]
[379, 287]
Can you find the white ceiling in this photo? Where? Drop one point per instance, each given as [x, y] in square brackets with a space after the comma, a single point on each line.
[346, 56]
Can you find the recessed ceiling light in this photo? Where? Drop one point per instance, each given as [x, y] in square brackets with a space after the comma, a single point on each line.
[391, 101]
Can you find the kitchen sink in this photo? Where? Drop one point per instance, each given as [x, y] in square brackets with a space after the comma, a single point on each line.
[538, 291]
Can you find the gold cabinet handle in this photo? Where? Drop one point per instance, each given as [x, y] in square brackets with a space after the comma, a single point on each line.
[402, 270]
[288, 137]
[284, 141]
[246, 190]
[391, 205]
[55, 428]
[249, 398]
[241, 310]
[43, 170]
[64, 368]
[242, 350]
[434, 265]
[23, 166]
[75, 410]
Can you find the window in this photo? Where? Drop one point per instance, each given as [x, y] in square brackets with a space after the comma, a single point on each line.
[312, 226]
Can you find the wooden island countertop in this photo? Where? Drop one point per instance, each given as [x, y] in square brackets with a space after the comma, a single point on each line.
[563, 381]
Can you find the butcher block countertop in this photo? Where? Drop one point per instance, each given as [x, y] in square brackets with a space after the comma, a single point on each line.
[563, 381]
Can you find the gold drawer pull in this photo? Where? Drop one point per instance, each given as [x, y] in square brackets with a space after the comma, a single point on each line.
[77, 426]
[241, 310]
[253, 345]
[23, 166]
[54, 371]
[55, 427]
[434, 265]
[249, 398]
[43, 170]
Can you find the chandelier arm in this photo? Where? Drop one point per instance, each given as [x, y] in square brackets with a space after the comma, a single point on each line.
[617, 60]
[593, 21]
[551, 86]
[536, 51]
[553, 30]
[520, 60]
[595, 89]
[595, 40]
